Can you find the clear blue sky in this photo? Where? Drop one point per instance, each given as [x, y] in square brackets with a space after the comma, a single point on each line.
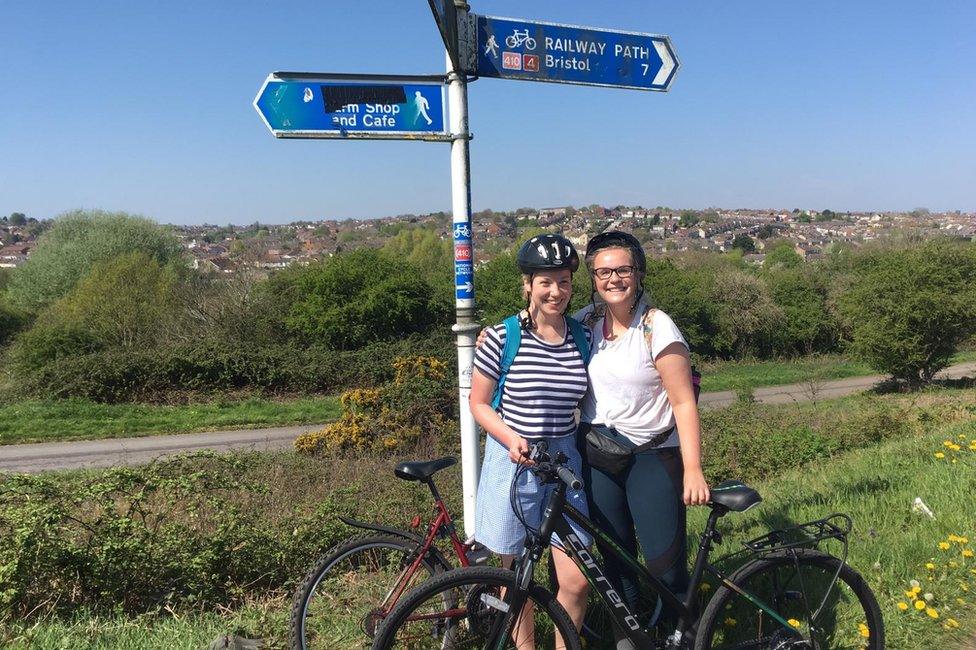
[146, 107]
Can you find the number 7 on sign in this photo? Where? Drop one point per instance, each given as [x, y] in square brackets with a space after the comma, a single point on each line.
[646, 67]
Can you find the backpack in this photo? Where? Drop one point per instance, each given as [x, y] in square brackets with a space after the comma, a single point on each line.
[513, 338]
[647, 324]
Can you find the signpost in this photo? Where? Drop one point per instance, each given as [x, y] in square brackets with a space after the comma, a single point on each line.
[300, 105]
[307, 105]
[445, 15]
[536, 51]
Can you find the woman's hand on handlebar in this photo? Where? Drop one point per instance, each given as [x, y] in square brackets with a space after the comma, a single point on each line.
[518, 451]
[695, 488]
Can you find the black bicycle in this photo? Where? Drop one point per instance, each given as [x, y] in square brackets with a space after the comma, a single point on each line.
[788, 593]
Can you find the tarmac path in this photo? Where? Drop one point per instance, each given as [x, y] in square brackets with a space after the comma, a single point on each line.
[39, 457]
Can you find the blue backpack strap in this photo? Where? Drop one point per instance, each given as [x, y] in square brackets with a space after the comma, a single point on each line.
[578, 332]
[513, 338]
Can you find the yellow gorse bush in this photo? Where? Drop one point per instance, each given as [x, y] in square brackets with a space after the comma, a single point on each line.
[398, 414]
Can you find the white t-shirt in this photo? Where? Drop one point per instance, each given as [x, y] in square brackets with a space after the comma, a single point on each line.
[625, 389]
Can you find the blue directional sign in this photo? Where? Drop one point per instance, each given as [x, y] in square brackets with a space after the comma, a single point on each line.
[535, 51]
[320, 107]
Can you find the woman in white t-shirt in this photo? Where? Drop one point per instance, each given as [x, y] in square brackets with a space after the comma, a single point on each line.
[641, 396]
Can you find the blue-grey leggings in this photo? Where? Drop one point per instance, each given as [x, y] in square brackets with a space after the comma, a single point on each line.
[643, 504]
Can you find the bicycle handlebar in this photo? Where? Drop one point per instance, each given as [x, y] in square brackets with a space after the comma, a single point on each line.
[550, 469]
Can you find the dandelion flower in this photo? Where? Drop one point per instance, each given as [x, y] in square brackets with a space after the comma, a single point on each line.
[939, 454]
[944, 546]
[915, 584]
[961, 601]
[964, 586]
[902, 606]
[967, 553]
[928, 597]
[931, 612]
[951, 622]
[930, 566]
[795, 623]
[863, 629]
[910, 595]
[730, 622]
[919, 605]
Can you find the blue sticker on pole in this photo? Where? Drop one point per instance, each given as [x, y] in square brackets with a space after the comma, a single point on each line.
[373, 108]
[464, 287]
[538, 51]
[462, 231]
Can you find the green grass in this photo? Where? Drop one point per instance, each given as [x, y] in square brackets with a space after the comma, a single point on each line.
[729, 375]
[38, 421]
[890, 546]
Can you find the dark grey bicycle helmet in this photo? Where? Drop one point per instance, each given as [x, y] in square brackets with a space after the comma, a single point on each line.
[547, 253]
[618, 239]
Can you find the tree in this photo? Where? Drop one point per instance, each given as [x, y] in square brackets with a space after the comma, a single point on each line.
[782, 255]
[747, 319]
[18, 219]
[909, 309]
[808, 325]
[688, 218]
[354, 299]
[76, 243]
[744, 243]
[131, 301]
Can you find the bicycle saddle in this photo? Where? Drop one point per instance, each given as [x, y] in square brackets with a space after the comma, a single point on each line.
[422, 470]
[734, 495]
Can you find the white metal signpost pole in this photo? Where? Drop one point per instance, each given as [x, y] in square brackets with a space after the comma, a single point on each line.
[466, 328]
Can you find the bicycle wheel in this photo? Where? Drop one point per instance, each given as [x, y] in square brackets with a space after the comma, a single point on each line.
[466, 608]
[825, 601]
[341, 601]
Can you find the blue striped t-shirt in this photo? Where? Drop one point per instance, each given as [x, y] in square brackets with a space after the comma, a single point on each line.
[543, 386]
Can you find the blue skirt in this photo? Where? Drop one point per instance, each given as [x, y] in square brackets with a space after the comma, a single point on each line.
[496, 525]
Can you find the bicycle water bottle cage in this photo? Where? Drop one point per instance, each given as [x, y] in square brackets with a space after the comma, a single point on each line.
[422, 470]
[735, 496]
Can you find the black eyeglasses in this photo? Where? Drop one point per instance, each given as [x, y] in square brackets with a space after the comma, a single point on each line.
[604, 273]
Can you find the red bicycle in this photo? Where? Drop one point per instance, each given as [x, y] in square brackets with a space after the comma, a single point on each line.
[350, 590]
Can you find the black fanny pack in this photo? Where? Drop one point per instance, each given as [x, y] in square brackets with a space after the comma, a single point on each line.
[608, 455]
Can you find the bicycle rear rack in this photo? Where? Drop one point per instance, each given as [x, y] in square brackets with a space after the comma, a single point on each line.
[809, 535]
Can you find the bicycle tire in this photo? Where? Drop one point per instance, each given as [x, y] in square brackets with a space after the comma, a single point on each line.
[333, 605]
[794, 583]
[458, 609]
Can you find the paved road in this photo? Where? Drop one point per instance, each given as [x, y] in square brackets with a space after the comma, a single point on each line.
[132, 451]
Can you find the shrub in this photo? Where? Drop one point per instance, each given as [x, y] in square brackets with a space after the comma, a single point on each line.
[807, 325]
[747, 319]
[354, 299]
[174, 373]
[75, 243]
[185, 532]
[751, 442]
[130, 301]
[909, 309]
[11, 320]
[415, 409]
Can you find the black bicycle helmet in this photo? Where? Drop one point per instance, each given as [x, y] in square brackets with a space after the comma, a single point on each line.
[547, 253]
[618, 239]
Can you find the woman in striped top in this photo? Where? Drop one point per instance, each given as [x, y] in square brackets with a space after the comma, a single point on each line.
[540, 392]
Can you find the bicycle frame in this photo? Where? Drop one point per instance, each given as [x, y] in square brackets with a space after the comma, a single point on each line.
[553, 521]
[441, 526]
